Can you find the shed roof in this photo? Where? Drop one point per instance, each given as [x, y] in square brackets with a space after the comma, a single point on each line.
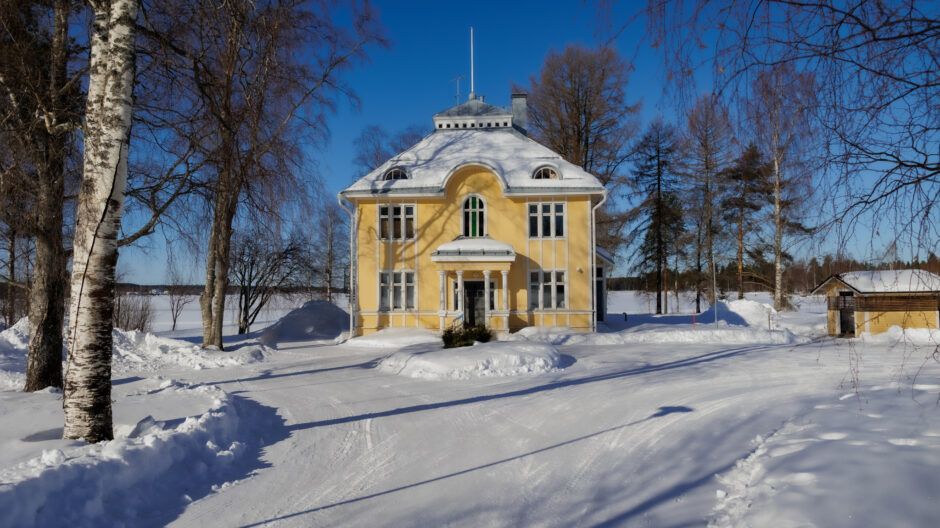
[886, 281]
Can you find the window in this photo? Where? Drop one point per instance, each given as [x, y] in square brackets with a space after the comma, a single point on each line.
[474, 217]
[545, 173]
[546, 220]
[396, 290]
[547, 290]
[396, 222]
[396, 174]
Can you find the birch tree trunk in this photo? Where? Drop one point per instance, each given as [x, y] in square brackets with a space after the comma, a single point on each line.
[778, 239]
[87, 391]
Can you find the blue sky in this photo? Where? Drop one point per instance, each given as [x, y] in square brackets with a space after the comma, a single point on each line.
[413, 79]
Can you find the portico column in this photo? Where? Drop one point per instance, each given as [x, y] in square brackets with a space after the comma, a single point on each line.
[460, 292]
[442, 276]
[486, 297]
[505, 274]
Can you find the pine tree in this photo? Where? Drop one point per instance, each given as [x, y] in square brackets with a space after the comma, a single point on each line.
[748, 191]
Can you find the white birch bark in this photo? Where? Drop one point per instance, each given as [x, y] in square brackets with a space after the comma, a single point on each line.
[87, 391]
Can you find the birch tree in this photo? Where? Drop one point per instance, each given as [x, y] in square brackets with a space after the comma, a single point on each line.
[87, 390]
[778, 110]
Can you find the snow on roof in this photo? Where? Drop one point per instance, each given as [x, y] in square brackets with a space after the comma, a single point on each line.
[465, 248]
[508, 153]
[474, 107]
[891, 281]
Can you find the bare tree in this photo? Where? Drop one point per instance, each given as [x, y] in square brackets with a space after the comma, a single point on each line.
[330, 253]
[177, 293]
[578, 107]
[264, 75]
[875, 63]
[778, 111]
[708, 147]
[41, 109]
[87, 388]
[374, 146]
[262, 266]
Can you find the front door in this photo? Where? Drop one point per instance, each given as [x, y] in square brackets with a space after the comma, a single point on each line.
[846, 314]
[473, 308]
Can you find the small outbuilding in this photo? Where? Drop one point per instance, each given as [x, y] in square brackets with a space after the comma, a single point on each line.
[874, 301]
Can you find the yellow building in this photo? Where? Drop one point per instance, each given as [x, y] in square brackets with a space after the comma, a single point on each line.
[475, 224]
[874, 301]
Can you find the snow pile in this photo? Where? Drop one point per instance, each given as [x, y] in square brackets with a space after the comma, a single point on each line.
[879, 436]
[397, 338]
[135, 350]
[14, 343]
[740, 312]
[314, 321]
[480, 360]
[153, 468]
[740, 322]
[896, 334]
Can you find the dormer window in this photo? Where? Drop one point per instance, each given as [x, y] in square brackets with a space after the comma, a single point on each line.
[396, 174]
[545, 173]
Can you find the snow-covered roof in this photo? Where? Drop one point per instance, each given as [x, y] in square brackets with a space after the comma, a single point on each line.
[889, 281]
[474, 248]
[474, 107]
[512, 156]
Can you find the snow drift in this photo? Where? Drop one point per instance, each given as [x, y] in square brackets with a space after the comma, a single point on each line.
[314, 321]
[135, 350]
[480, 360]
[14, 343]
[397, 338]
[153, 470]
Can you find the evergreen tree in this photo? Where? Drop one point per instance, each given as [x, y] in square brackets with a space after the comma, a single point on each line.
[654, 173]
[748, 191]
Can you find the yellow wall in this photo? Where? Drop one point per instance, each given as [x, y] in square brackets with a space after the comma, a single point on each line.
[438, 220]
[878, 322]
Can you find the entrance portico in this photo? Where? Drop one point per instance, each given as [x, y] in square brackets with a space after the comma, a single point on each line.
[471, 265]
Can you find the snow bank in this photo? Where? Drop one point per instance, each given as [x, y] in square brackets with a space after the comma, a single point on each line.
[135, 350]
[14, 343]
[314, 321]
[480, 360]
[148, 471]
[397, 338]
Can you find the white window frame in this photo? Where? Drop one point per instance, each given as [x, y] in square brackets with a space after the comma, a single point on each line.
[401, 220]
[389, 281]
[552, 215]
[539, 173]
[395, 173]
[463, 218]
[548, 279]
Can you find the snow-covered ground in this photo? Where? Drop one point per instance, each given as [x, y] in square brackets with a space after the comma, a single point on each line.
[758, 420]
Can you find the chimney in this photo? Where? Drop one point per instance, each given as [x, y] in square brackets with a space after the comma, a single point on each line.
[520, 113]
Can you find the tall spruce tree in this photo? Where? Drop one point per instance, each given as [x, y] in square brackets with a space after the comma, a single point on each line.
[654, 174]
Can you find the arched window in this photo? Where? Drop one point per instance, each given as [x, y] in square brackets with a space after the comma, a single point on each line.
[474, 217]
[396, 174]
[545, 173]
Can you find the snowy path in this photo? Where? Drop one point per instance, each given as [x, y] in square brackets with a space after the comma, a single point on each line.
[625, 435]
